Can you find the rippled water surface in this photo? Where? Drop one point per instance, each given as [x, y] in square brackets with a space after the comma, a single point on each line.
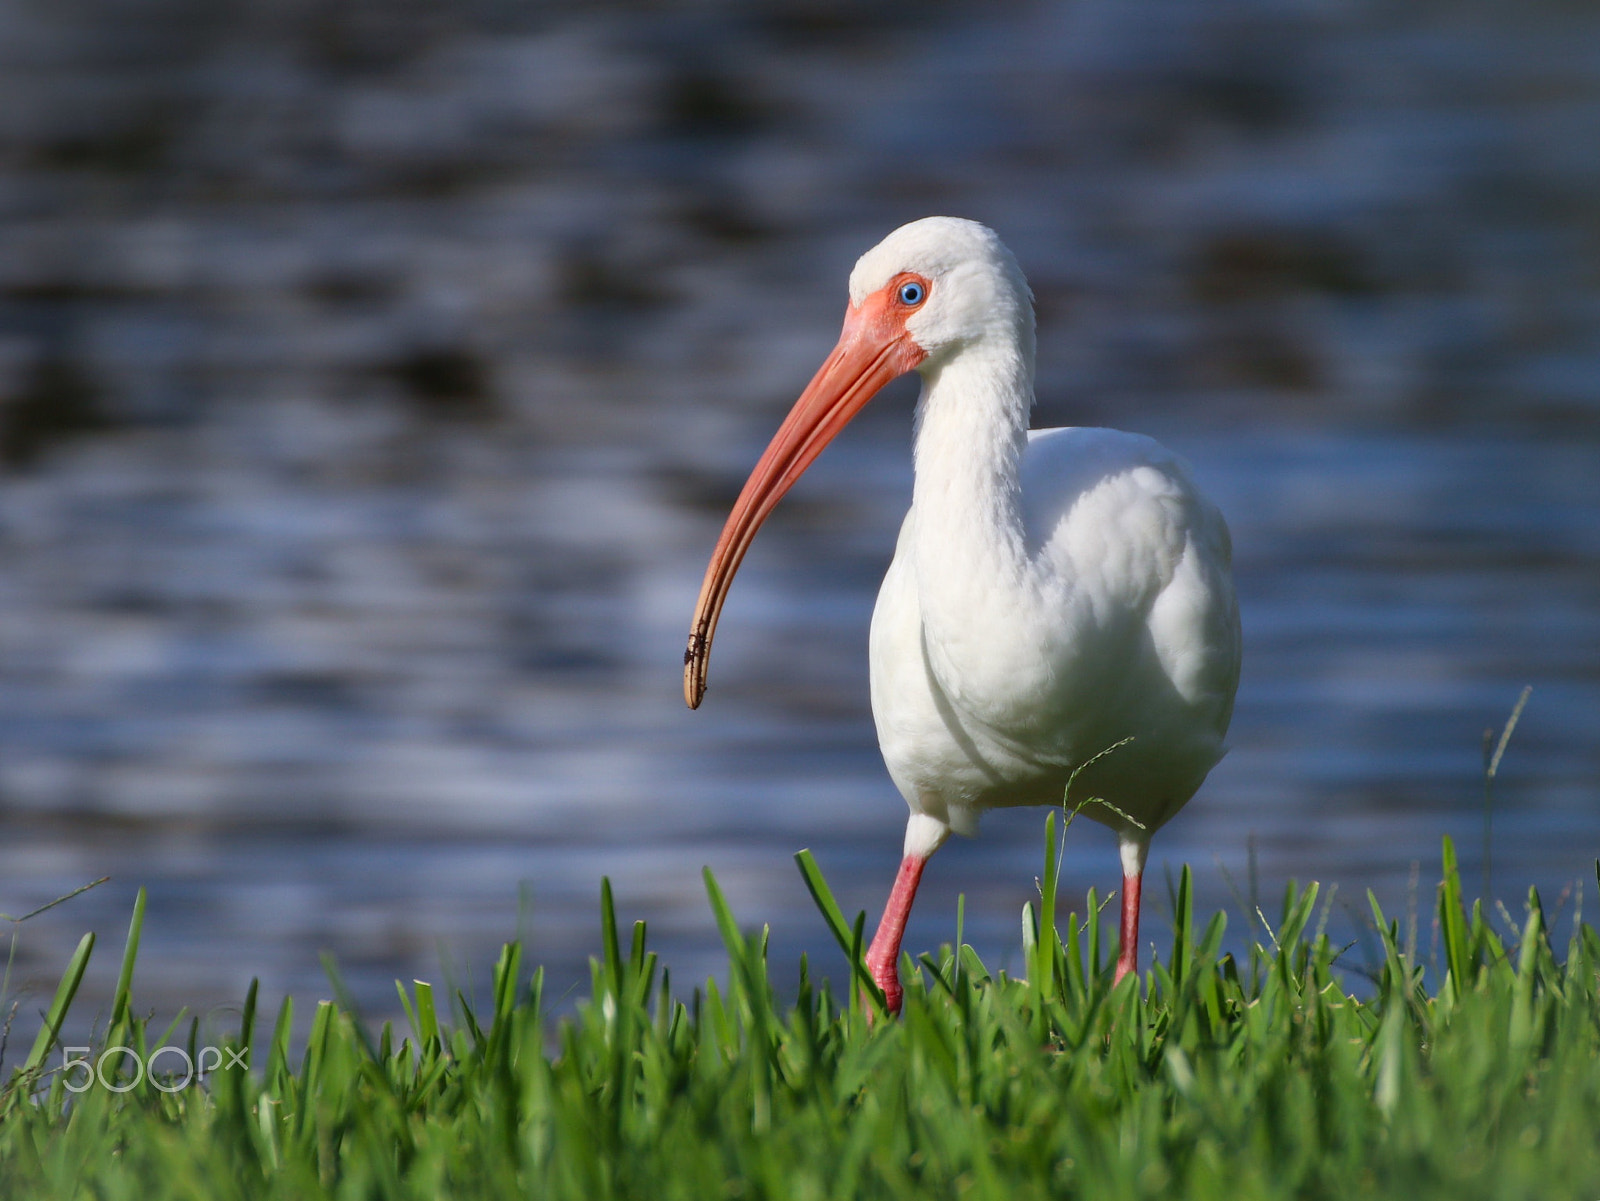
[373, 383]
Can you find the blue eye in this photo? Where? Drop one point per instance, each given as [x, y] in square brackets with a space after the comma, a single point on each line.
[912, 293]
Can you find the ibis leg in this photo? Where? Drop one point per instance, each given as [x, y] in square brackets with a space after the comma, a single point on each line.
[1133, 856]
[883, 957]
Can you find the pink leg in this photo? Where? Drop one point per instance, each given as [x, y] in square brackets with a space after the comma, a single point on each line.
[1128, 944]
[883, 957]
[1133, 854]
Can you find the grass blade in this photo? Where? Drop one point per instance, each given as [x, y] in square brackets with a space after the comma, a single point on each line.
[817, 884]
[847, 936]
[130, 952]
[57, 1014]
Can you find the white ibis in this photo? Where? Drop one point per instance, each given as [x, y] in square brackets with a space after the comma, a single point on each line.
[1053, 592]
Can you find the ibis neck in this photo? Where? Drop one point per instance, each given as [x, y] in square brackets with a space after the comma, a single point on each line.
[972, 429]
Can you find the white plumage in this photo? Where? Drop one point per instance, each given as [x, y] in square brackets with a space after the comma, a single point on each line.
[1053, 593]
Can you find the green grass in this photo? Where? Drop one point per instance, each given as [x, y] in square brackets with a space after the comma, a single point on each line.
[1215, 1076]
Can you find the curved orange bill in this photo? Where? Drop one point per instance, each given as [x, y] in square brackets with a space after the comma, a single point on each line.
[873, 349]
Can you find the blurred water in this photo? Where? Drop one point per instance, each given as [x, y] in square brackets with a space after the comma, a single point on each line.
[374, 379]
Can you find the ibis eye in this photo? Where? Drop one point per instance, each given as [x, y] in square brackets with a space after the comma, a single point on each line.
[912, 293]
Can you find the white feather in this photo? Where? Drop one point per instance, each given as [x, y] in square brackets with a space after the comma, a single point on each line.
[1053, 592]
